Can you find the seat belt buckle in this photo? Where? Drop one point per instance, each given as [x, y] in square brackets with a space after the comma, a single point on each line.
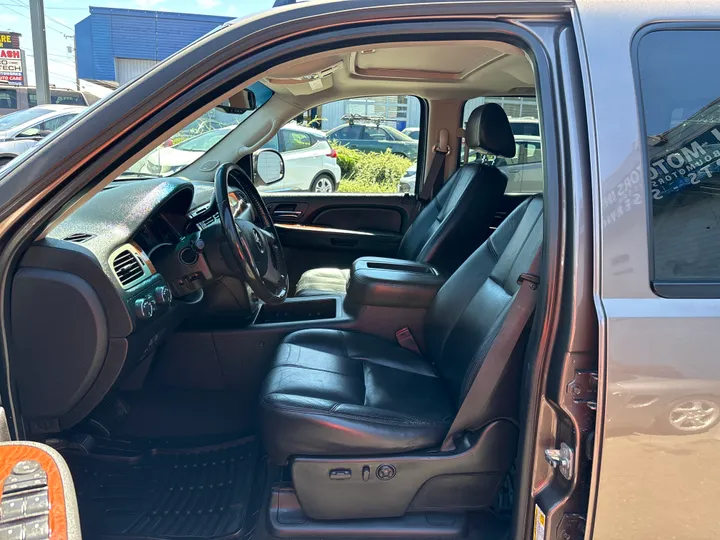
[406, 340]
[532, 279]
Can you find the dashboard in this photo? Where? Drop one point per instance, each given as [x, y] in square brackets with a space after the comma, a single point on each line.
[95, 298]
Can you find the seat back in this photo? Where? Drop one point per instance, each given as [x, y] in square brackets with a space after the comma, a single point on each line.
[470, 308]
[457, 220]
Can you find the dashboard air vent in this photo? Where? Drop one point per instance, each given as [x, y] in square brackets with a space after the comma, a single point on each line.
[79, 238]
[208, 221]
[127, 267]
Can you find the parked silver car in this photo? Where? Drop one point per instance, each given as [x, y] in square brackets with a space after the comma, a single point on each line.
[25, 128]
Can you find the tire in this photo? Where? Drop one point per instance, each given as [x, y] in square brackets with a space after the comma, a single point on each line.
[4, 161]
[690, 416]
[323, 184]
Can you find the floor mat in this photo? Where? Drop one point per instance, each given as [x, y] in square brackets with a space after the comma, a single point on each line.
[198, 493]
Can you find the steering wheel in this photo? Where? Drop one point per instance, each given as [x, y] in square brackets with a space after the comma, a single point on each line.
[253, 242]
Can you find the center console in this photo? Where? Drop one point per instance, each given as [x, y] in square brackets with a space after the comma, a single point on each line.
[377, 281]
[383, 297]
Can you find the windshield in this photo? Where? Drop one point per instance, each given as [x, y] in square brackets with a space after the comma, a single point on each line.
[190, 143]
[204, 142]
[21, 117]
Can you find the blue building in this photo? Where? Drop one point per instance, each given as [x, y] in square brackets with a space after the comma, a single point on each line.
[121, 44]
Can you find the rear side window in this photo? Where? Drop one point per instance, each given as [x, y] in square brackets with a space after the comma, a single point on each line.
[682, 126]
[55, 98]
[295, 140]
[348, 133]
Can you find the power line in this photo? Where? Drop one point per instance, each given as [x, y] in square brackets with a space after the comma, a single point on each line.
[56, 61]
[10, 7]
[22, 4]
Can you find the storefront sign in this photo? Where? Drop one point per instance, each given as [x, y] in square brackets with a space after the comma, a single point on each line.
[9, 40]
[11, 67]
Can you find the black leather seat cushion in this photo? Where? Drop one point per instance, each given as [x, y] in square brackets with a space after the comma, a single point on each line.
[332, 392]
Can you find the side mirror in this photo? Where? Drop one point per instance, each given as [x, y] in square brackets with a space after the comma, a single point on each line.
[268, 167]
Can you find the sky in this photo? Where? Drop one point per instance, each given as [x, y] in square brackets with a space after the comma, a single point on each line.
[62, 15]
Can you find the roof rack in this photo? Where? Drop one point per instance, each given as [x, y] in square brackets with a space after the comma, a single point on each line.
[352, 118]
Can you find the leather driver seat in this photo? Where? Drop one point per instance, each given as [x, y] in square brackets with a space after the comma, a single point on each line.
[456, 221]
[341, 393]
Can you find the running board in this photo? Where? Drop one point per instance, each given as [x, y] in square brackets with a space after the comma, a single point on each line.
[287, 519]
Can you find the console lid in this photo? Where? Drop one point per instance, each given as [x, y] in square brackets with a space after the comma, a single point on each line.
[378, 281]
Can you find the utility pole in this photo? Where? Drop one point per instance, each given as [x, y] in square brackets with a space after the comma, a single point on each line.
[42, 77]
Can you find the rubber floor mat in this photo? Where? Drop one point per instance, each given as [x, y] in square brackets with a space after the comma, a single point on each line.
[198, 493]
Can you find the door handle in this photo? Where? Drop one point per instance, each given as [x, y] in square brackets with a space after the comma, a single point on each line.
[286, 214]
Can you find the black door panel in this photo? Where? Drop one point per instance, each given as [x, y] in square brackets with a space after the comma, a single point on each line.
[333, 230]
[362, 219]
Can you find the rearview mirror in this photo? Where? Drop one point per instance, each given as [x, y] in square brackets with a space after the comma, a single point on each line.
[268, 167]
[239, 103]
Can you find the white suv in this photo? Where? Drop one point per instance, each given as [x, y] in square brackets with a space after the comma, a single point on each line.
[310, 162]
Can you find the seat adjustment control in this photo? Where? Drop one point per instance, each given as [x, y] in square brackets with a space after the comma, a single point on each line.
[25, 504]
[340, 474]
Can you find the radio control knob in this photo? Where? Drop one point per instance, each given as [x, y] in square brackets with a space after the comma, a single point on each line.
[144, 308]
[162, 295]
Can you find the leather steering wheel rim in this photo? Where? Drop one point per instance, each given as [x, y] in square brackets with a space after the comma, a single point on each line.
[256, 248]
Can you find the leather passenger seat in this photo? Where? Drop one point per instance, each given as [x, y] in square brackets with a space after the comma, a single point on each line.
[341, 393]
[457, 220]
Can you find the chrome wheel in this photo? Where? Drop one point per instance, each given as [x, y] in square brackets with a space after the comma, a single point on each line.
[694, 415]
[323, 184]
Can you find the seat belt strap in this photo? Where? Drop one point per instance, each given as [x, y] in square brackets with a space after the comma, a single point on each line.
[490, 372]
[406, 340]
[437, 167]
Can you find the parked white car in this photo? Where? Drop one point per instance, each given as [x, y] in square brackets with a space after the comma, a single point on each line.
[310, 162]
[23, 129]
[412, 132]
[524, 171]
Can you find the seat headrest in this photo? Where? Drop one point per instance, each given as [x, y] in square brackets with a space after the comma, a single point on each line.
[488, 128]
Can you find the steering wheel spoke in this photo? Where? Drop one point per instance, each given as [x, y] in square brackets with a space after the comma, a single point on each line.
[255, 247]
[270, 237]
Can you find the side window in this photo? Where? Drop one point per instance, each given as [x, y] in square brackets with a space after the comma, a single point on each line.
[295, 140]
[373, 133]
[55, 123]
[43, 129]
[8, 99]
[530, 152]
[358, 146]
[67, 99]
[348, 133]
[524, 170]
[682, 128]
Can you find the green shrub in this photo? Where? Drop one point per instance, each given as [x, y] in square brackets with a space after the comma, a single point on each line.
[375, 173]
[347, 159]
